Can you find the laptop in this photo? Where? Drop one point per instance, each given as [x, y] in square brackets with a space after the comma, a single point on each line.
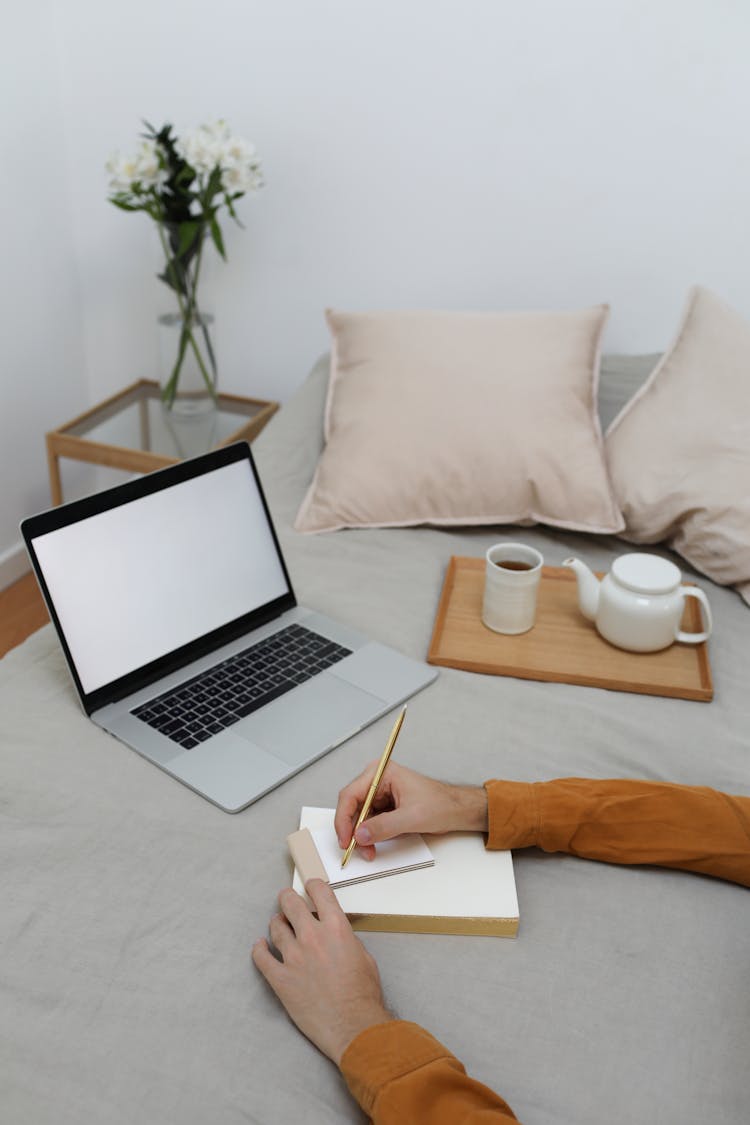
[177, 617]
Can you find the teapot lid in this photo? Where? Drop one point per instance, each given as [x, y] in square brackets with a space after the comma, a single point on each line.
[646, 574]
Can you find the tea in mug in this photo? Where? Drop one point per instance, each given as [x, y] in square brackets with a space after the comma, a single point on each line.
[512, 564]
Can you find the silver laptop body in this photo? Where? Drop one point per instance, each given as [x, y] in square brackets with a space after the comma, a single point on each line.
[173, 587]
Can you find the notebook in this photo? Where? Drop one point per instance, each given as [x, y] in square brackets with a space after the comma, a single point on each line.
[317, 855]
[174, 608]
[468, 890]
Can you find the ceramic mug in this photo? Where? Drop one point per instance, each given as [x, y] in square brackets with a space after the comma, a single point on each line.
[511, 582]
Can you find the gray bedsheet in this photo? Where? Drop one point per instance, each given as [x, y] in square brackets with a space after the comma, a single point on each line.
[128, 905]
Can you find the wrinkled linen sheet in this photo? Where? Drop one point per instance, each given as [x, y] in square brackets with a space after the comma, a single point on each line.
[128, 904]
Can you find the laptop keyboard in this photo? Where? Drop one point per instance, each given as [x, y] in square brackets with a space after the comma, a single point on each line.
[215, 699]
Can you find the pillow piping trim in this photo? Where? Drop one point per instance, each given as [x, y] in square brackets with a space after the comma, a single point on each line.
[333, 367]
[692, 297]
[528, 519]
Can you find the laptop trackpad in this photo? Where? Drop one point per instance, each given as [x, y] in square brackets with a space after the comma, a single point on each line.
[228, 771]
[311, 719]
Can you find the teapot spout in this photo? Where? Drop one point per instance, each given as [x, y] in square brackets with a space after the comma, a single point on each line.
[588, 587]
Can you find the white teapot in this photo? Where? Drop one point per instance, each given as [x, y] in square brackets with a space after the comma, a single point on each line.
[639, 604]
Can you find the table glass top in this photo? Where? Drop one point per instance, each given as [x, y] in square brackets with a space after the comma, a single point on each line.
[139, 421]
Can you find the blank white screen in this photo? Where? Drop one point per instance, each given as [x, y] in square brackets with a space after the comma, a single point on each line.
[132, 584]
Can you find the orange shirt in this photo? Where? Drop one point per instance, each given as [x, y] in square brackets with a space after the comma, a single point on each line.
[397, 1071]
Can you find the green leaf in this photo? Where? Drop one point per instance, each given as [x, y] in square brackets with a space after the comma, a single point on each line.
[214, 183]
[188, 234]
[183, 176]
[229, 200]
[125, 206]
[216, 235]
[174, 277]
[165, 277]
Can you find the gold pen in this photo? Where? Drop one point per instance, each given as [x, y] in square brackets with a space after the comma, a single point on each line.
[375, 783]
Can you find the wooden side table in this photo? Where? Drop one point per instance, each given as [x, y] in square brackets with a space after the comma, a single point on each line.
[127, 431]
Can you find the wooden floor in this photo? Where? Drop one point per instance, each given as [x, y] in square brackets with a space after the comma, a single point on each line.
[22, 612]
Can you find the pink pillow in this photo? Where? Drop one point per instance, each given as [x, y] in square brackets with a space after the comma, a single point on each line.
[679, 451]
[462, 418]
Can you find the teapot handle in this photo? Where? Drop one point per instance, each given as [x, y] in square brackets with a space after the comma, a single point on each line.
[696, 638]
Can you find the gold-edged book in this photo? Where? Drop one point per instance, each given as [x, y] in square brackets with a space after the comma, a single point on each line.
[468, 890]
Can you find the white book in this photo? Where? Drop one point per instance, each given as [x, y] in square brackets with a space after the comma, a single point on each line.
[467, 890]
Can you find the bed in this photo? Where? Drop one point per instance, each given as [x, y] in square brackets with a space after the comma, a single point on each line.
[129, 904]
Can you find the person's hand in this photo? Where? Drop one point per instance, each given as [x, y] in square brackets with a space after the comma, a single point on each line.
[326, 980]
[407, 802]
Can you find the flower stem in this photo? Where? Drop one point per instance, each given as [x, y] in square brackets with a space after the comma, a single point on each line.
[183, 289]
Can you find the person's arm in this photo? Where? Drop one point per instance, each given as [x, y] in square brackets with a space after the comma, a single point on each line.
[620, 821]
[330, 986]
[400, 1073]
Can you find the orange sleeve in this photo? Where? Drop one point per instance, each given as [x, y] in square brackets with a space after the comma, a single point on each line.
[691, 828]
[399, 1073]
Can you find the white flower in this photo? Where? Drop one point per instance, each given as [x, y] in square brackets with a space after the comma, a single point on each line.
[202, 148]
[122, 171]
[150, 171]
[213, 146]
[240, 167]
[142, 169]
[219, 131]
[236, 151]
[242, 177]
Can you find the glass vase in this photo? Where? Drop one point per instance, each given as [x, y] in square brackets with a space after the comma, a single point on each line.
[188, 381]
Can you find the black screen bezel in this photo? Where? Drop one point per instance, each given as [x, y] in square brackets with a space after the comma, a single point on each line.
[56, 518]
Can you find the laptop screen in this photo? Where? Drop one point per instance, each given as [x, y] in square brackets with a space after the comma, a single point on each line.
[137, 581]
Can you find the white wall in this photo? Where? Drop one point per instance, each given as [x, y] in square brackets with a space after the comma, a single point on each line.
[423, 153]
[42, 374]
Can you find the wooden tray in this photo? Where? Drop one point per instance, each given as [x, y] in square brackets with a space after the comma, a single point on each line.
[562, 647]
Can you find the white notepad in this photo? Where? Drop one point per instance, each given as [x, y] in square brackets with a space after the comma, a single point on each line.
[468, 889]
[393, 857]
